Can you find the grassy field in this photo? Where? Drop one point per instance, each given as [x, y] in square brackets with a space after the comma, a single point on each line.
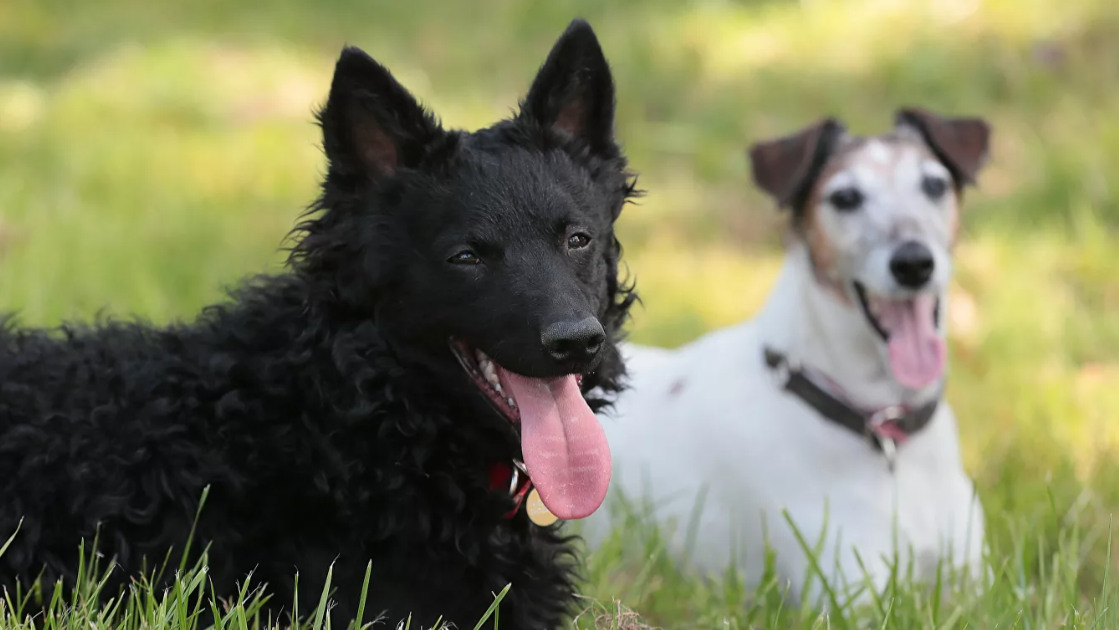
[153, 153]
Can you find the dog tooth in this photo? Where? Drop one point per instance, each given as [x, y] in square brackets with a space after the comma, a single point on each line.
[512, 403]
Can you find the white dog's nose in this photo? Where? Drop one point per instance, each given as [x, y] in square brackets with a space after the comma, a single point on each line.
[912, 264]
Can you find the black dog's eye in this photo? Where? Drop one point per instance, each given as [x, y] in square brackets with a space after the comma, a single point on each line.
[846, 199]
[934, 187]
[578, 241]
[465, 257]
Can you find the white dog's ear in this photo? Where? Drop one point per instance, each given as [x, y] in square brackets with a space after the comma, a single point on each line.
[961, 144]
[786, 167]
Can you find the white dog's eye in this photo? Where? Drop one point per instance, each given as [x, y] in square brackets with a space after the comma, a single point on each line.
[934, 187]
[846, 199]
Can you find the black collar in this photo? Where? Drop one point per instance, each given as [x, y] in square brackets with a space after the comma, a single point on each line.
[884, 428]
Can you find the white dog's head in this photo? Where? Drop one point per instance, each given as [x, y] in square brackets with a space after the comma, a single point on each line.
[879, 216]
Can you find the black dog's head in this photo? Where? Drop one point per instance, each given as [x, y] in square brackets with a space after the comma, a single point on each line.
[487, 258]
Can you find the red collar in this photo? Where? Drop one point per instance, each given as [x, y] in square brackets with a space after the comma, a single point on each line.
[512, 479]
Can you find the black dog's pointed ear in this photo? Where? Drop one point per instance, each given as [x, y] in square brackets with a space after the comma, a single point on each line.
[786, 167]
[371, 125]
[573, 93]
[961, 144]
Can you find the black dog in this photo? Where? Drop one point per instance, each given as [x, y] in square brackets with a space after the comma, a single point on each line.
[349, 410]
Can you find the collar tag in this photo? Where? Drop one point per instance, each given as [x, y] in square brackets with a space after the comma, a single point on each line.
[888, 425]
[889, 449]
[538, 513]
[883, 426]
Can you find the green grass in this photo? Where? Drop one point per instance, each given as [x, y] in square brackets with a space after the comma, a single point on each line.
[153, 153]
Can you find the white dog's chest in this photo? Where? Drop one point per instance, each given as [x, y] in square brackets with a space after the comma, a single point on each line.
[715, 422]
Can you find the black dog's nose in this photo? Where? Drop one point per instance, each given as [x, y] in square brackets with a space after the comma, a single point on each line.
[573, 341]
[912, 264]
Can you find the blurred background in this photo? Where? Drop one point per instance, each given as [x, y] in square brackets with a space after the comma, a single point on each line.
[152, 153]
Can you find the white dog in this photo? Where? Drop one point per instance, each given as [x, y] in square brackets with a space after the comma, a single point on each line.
[826, 409]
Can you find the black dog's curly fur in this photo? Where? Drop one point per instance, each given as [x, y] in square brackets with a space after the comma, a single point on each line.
[322, 406]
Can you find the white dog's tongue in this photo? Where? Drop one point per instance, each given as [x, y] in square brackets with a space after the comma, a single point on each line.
[564, 446]
[916, 351]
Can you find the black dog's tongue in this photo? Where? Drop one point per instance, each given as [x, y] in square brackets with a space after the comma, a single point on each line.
[564, 446]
